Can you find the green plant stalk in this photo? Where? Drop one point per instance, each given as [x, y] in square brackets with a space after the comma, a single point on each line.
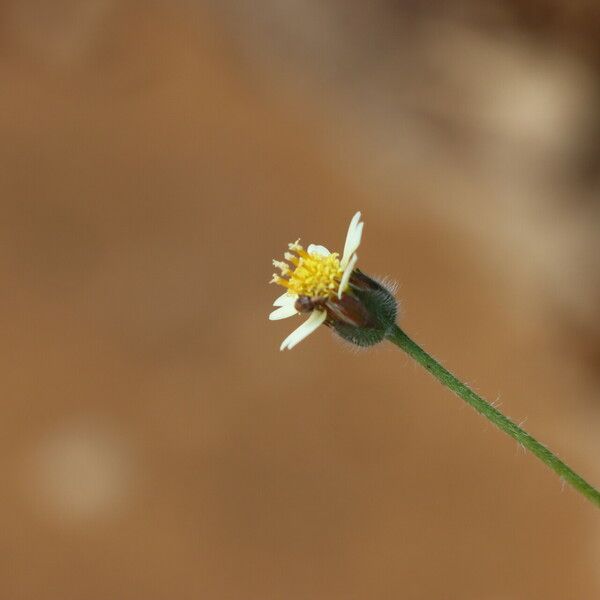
[400, 339]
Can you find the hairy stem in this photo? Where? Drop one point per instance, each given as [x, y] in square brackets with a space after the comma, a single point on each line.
[398, 337]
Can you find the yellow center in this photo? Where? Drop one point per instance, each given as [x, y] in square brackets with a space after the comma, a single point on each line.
[311, 275]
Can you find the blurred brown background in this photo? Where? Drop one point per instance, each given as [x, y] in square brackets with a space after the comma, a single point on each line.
[155, 158]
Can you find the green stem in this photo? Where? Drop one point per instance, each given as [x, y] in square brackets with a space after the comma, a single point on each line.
[398, 337]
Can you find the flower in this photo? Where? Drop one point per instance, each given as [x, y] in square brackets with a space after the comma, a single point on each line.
[316, 281]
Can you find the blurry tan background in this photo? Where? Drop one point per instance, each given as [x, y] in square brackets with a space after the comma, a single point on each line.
[155, 157]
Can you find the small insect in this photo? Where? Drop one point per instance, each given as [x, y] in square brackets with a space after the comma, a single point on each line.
[306, 304]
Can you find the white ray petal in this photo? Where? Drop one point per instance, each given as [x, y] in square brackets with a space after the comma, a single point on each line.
[285, 299]
[317, 317]
[346, 276]
[283, 312]
[315, 249]
[353, 238]
[352, 244]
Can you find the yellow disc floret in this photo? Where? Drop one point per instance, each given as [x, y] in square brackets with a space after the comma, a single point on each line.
[311, 274]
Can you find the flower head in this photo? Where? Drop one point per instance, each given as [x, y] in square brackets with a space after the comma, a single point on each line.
[333, 292]
[315, 280]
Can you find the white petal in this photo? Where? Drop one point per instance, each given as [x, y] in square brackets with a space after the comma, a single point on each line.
[283, 312]
[346, 276]
[353, 224]
[315, 249]
[353, 238]
[317, 317]
[285, 299]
